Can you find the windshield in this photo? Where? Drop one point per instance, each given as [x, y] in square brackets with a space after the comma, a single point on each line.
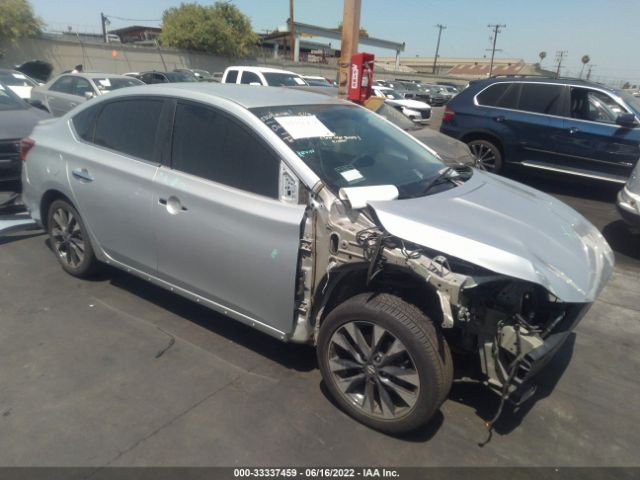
[11, 79]
[9, 100]
[349, 146]
[275, 79]
[108, 84]
[391, 94]
[633, 102]
[175, 77]
[318, 82]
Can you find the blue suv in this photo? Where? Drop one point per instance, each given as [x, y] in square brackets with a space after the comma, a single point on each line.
[562, 125]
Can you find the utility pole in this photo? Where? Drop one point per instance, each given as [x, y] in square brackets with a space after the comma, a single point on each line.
[349, 42]
[291, 30]
[589, 71]
[496, 30]
[435, 59]
[103, 21]
[560, 54]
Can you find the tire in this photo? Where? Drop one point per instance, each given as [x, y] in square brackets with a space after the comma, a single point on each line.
[69, 240]
[487, 155]
[395, 373]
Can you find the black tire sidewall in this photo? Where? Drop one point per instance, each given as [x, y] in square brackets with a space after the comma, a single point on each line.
[430, 369]
[88, 264]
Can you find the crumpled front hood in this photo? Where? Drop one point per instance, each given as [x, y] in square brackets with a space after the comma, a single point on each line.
[510, 229]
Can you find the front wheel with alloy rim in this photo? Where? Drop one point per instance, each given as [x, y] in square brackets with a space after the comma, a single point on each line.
[384, 363]
[487, 155]
[69, 240]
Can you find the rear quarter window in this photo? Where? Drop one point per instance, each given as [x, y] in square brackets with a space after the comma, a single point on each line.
[504, 95]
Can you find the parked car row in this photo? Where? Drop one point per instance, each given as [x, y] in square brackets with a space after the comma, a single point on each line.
[317, 221]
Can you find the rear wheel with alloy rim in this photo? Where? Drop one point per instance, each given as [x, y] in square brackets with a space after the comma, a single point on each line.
[487, 155]
[69, 240]
[384, 362]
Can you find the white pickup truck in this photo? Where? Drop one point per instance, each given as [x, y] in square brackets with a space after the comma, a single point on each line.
[267, 77]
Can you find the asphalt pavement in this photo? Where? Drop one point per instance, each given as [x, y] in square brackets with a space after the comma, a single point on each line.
[114, 371]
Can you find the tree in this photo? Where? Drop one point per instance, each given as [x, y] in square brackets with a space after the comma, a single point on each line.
[17, 21]
[585, 59]
[626, 86]
[542, 56]
[220, 28]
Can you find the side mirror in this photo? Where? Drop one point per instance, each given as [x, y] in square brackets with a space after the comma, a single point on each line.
[626, 120]
[89, 95]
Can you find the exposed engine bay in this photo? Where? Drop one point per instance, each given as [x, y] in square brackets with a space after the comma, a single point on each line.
[513, 326]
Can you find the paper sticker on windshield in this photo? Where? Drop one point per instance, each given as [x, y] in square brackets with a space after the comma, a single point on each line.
[105, 82]
[19, 75]
[307, 126]
[351, 175]
[298, 80]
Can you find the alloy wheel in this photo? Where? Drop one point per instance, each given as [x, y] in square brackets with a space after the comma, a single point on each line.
[484, 156]
[67, 237]
[373, 370]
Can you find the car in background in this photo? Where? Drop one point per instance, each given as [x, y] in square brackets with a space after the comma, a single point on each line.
[415, 110]
[436, 96]
[408, 90]
[266, 77]
[67, 91]
[318, 81]
[18, 82]
[199, 74]
[318, 222]
[154, 76]
[17, 119]
[628, 203]
[568, 126]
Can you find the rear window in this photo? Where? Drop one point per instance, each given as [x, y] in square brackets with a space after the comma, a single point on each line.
[16, 79]
[540, 98]
[129, 126]
[232, 76]
[504, 95]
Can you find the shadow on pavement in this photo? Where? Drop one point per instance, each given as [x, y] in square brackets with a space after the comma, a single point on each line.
[293, 356]
[622, 240]
[486, 402]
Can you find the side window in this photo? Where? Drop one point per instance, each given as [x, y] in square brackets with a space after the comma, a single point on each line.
[249, 77]
[85, 121]
[63, 85]
[504, 95]
[82, 86]
[146, 77]
[232, 76]
[210, 145]
[540, 98]
[129, 126]
[159, 78]
[594, 106]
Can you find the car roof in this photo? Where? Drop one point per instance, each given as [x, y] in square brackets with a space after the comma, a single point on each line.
[539, 79]
[261, 69]
[248, 96]
[93, 75]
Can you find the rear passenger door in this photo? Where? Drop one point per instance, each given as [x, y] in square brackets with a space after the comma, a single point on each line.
[223, 234]
[111, 170]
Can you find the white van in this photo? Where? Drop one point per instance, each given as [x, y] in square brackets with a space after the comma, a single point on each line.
[267, 77]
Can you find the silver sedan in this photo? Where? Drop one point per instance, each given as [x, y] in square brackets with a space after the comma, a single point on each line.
[67, 91]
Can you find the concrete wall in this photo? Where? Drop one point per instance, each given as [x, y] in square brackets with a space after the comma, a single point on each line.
[65, 53]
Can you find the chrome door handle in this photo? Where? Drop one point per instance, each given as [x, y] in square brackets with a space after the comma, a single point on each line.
[173, 205]
[499, 119]
[82, 174]
[573, 130]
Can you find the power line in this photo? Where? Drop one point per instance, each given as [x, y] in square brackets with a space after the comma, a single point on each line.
[496, 30]
[560, 54]
[435, 59]
[132, 19]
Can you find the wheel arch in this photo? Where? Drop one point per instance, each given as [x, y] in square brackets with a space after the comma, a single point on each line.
[484, 135]
[47, 199]
[347, 281]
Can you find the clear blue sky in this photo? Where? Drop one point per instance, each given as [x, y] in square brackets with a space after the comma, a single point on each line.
[607, 30]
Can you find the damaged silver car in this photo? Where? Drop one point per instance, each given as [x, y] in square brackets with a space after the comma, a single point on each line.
[319, 222]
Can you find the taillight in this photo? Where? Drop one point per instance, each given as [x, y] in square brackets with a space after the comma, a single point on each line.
[448, 114]
[26, 144]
